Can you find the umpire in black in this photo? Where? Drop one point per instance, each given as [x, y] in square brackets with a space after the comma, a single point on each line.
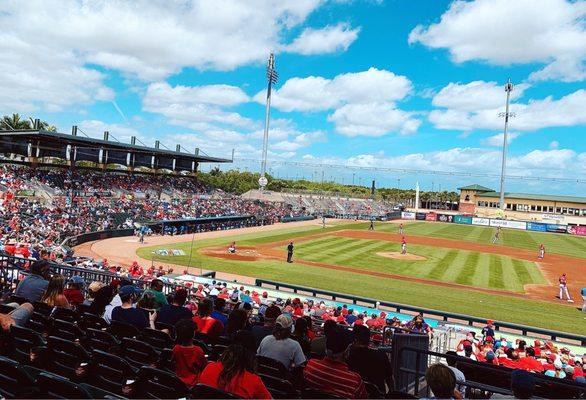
[290, 252]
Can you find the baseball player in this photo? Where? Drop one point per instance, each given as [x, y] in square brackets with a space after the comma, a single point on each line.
[371, 227]
[541, 251]
[323, 221]
[400, 228]
[403, 246]
[497, 235]
[564, 288]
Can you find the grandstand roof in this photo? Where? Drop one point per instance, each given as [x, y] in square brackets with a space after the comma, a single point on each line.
[531, 196]
[476, 187]
[50, 144]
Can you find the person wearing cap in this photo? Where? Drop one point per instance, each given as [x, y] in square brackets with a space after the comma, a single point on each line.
[558, 371]
[372, 365]
[156, 289]
[128, 314]
[332, 374]
[290, 249]
[488, 330]
[279, 346]
[33, 287]
[73, 292]
[92, 290]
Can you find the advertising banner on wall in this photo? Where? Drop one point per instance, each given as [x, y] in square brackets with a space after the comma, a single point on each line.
[431, 217]
[503, 223]
[536, 226]
[556, 228]
[420, 216]
[577, 230]
[407, 215]
[459, 219]
[480, 221]
[445, 218]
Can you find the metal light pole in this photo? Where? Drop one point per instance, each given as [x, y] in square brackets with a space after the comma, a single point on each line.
[508, 90]
[271, 78]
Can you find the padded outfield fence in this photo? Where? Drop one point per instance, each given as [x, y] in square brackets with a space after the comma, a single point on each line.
[448, 317]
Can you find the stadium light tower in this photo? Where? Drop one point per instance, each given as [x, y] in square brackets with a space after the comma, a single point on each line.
[506, 114]
[272, 77]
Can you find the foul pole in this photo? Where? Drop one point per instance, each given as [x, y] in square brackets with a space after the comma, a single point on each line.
[272, 77]
[508, 90]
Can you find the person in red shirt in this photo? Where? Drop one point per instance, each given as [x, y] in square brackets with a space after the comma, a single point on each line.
[332, 374]
[74, 290]
[207, 325]
[234, 373]
[529, 363]
[189, 359]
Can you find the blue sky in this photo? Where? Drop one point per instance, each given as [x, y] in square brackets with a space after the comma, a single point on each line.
[382, 85]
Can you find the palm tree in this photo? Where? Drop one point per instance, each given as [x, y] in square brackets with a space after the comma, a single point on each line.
[13, 122]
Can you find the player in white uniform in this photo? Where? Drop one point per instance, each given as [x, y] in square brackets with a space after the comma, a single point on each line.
[564, 288]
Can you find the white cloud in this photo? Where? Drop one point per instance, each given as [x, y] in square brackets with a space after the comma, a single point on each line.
[298, 141]
[363, 103]
[497, 140]
[373, 119]
[475, 95]
[504, 32]
[554, 145]
[315, 93]
[475, 107]
[325, 40]
[153, 39]
[196, 107]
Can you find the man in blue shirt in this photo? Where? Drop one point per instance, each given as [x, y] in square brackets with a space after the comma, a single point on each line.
[33, 287]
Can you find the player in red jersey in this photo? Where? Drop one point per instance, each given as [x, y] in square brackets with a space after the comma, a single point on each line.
[403, 246]
[564, 288]
[541, 252]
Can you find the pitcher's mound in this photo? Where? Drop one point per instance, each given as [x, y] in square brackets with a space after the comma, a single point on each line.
[397, 255]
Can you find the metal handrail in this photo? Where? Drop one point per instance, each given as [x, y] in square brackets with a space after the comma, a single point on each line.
[443, 315]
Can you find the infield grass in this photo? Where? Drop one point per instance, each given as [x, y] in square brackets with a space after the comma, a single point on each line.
[472, 268]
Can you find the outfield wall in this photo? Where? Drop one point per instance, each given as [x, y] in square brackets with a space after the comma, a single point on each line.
[491, 222]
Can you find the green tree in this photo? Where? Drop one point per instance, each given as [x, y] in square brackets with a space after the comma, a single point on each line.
[14, 122]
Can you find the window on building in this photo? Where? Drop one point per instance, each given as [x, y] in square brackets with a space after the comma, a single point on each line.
[550, 209]
[558, 210]
[533, 207]
[538, 208]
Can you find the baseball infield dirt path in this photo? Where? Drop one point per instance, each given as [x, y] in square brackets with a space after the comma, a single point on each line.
[123, 251]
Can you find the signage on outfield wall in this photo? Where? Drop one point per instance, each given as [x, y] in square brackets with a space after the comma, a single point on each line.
[552, 217]
[445, 218]
[577, 230]
[480, 221]
[536, 226]
[460, 219]
[431, 217]
[556, 228]
[407, 215]
[420, 216]
[503, 223]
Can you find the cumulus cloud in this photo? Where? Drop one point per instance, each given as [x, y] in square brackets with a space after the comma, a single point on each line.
[330, 39]
[476, 105]
[197, 107]
[497, 140]
[364, 103]
[549, 32]
[96, 128]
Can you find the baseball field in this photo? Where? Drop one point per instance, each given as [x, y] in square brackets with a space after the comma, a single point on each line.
[449, 267]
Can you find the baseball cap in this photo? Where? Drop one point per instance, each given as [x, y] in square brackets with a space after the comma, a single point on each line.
[569, 369]
[77, 280]
[557, 364]
[95, 286]
[284, 321]
[128, 290]
[489, 356]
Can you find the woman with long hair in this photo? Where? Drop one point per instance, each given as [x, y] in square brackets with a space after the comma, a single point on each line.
[236, 321]
[102, 298]
[54, 296]
[235, 373]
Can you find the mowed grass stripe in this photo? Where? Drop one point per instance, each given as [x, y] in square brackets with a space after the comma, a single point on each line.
[447, 262]
[369, 260]
[358, 249]
[315, 244]
[482, 276]
[466, 274]
[510, 279]
[495, 275]
[308, 248]
[325, 254]
[523, 275]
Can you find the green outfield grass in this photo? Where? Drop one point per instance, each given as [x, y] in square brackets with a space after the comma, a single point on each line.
[569, 245]
[450, 265]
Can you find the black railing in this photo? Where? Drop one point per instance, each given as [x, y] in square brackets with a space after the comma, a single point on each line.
[435, 314]
[484, 377]
[12, 267]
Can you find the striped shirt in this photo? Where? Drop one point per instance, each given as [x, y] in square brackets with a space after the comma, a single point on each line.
[334, 377]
